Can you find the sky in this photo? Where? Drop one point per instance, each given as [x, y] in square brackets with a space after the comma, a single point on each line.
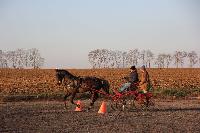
[65, 31]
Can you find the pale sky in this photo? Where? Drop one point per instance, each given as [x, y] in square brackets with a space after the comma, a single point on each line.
[65, 31]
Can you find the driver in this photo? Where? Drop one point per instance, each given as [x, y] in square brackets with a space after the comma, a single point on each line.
[132, 78]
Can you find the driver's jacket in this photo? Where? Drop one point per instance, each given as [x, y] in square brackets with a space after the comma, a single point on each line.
[133, 77]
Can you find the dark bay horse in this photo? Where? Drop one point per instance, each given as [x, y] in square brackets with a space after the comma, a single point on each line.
[76, 85]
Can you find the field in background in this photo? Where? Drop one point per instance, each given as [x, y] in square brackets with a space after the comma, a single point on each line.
[171, 82]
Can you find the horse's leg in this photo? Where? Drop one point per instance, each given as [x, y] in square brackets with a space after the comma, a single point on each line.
[93, 98]
[65, 99]
[72, 98]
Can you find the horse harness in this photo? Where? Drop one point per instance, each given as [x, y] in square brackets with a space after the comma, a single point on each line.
[74, 83]
[79, 81]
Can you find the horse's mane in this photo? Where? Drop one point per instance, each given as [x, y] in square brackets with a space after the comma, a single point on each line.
[65, 73]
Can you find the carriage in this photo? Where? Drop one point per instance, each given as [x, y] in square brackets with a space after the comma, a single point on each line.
[133, 98]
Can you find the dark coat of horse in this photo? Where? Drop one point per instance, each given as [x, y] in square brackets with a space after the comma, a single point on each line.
[76, 85]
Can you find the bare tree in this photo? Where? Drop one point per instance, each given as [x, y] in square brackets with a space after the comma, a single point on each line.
[179, 58]
[193, 58]
[116, 59]
[149, 58]
[168, 59]
[124, 59]
[142, 56]
[111, 63]
[36, 60]
[92, 58]
[98, 58]
[3, 60]
[26, 60]
[20, 58]
[117, 56]
[105, 58]
[101, 58]
[160, 61]
[163, 60]
[111, 59]
[12, 58]
[133, 57]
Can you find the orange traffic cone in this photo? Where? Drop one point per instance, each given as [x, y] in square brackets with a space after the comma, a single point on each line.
[80, 106]
[102, 109]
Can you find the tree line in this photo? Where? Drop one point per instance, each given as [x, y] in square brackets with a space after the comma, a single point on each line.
[104, 58]
[21, 58]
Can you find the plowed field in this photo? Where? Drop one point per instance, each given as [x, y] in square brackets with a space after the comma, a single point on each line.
[42, 81]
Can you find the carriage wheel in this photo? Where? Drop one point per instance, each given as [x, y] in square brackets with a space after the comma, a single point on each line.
[118, 105]
[130, 105]
[151, 103]
[125, 104]
[144, 102]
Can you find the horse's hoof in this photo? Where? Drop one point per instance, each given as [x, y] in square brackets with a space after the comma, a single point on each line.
[66, 107]
[88, 109]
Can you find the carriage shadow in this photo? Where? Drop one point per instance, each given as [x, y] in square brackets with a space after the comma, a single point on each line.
[175, 109]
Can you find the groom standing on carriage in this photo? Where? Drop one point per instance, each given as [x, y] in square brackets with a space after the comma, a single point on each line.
[144, 84]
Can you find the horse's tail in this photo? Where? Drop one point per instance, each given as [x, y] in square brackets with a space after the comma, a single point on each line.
[105, 85]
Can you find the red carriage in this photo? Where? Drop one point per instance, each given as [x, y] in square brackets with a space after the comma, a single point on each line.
[131, 99]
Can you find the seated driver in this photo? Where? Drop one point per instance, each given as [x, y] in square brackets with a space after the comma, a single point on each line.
[132, 78]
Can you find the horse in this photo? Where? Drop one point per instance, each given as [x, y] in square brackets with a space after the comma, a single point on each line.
[79, 84]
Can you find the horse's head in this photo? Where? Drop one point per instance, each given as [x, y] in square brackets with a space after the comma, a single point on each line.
[63, 76]
[59, 76]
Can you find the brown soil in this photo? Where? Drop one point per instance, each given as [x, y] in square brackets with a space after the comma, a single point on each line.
[51, 116]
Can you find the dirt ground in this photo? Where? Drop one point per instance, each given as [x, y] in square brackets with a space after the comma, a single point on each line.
[51, 116]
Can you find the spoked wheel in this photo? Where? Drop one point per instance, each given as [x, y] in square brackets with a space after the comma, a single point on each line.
[151, 104]
[144, 102]
[136, 101]
[123, 104]
[118, 105]
[130, 105]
